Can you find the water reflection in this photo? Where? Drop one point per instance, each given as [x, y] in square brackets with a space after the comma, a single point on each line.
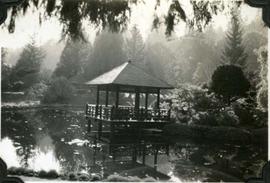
[58, 137]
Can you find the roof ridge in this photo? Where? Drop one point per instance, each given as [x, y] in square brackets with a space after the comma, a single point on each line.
[123, 67]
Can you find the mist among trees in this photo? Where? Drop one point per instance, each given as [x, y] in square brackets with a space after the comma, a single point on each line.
[192, 58]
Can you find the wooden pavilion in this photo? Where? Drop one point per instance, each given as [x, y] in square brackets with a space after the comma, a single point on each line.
[109, 120]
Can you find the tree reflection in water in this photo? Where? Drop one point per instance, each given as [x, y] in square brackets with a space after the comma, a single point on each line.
[57, 132]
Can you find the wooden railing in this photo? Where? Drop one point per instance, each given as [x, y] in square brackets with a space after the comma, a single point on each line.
[126, 113]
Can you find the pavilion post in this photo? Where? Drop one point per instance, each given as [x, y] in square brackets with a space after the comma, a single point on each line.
[146, 101]
[117, 97]
[107, 97]
[146, 105]
[158, 102]
[137, 102]
[97, 102]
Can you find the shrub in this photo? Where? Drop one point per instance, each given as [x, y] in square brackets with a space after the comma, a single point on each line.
[37, 91]
[72, 176]
[52, 174]
[60, 91]
[19, 171]
[227, 117]
[206, 118]
[249, 114]
[214, 134]
[29, 172]
[194, 105]
[12, 170]
[262, 95]
[229, 81]
[42, 174]
[189, 100]
[95, 177]
[83, 177]
[120, 178]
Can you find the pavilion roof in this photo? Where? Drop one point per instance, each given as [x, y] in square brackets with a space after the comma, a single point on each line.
[128, 74]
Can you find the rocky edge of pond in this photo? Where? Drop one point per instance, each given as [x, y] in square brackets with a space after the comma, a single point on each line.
[218, 133]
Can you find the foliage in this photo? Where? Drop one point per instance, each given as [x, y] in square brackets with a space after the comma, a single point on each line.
[215, 134]
[194, 105]
[102, 61]
[60, 91]
[229, 82]
[195, 66]
[135, 46]
[253, 40]
[262, 96]
[120, 178]
[95, 177]
[37, 91]
[27, 67]
[5, 73]
[113, 15]
[154, 59]
[84, 177]
[52, 174]
[72, 59]
[234, 52]
[249, 114]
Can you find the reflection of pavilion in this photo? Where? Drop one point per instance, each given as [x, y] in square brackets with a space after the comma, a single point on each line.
[139, 160]
[129, 130]
[110, 122]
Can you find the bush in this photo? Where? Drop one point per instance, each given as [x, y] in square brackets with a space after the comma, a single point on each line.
[229, 82]
[12, 171]
[28, 172]
[120, 178]
[19, 171]
[83, 177]
[52, 174]
[262, 95]
[206, 118]
[227, 117]
[60, 91]
[214, 134]
[72, 176]
[249, 114]
[95, 177]
[42, 174]
[194, 105]
[37, 91]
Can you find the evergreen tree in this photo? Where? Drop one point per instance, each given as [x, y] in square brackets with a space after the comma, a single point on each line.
[5, 71]
[107, 53]
[229, 82]
[262, 96]
[26, 71]
[234, 52]
[72, 59]
[135, 46]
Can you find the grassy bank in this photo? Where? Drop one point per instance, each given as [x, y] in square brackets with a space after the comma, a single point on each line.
[217, 134]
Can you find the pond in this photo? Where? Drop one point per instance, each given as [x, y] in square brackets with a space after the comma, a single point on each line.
[45, 138]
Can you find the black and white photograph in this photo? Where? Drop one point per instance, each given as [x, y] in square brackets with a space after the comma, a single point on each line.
[134, 91]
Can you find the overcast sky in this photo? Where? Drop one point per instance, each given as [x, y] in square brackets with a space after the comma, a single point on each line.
[141, 15]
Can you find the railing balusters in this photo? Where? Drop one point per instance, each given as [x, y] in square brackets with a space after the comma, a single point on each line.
[126, 113]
